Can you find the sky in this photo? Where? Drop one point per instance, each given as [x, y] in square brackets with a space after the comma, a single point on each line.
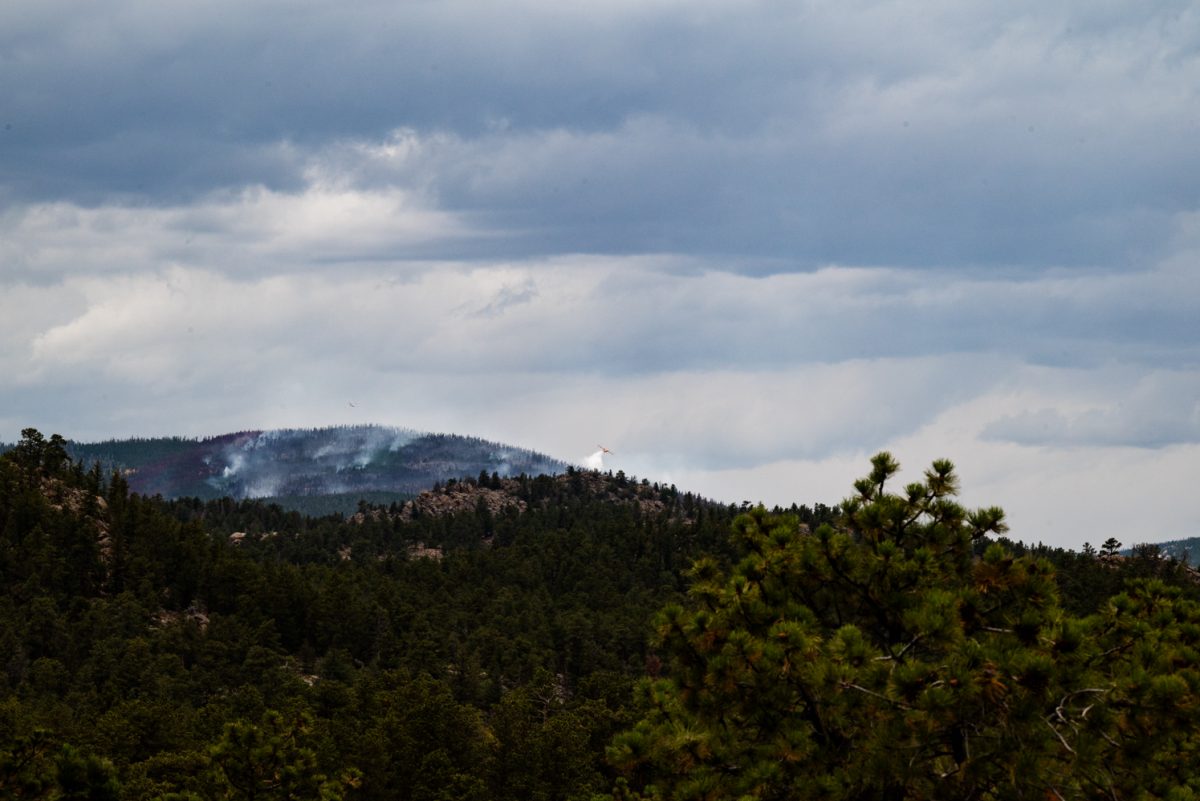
[744, 244]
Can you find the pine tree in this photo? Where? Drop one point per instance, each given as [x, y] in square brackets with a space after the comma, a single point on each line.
[883, 659]
[271, 760]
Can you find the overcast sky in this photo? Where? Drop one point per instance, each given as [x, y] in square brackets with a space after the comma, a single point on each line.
[743, 244]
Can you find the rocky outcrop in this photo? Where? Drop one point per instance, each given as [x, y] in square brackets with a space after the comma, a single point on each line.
[82, 504]
[499, 496]
[193, 614]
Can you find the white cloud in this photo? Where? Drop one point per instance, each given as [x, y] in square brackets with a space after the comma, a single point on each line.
[1155, 409]
[353, 249]
[197, 352]
[250, 232]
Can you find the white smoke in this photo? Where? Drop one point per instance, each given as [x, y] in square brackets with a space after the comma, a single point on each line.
[595, 461]
[264, 487]
[400, 438]
[236, 463]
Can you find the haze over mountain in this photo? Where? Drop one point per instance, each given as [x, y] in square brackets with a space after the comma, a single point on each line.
[307, 462]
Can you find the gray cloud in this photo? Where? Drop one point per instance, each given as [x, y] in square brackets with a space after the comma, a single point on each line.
[1154, 410]
[1003, 135]
[623, 315]
[625, 321]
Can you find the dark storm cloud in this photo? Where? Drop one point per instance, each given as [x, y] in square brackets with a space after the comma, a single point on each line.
[805, 133]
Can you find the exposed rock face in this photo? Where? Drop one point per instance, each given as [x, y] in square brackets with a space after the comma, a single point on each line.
[501, 495]
[194, 614]
[463, 497]
[93, 508]
[420, 551]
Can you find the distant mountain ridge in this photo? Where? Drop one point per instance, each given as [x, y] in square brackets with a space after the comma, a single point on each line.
[307, 462]
[1185, 550]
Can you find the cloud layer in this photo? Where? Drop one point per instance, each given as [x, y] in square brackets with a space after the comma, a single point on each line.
[1004, 134]
[745, 245]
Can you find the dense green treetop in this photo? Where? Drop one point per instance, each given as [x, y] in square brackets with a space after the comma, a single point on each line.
[885, 658]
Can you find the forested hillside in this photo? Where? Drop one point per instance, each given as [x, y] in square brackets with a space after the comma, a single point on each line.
[294, 466]
[1186, 550]
[501, 639]
[202, 646]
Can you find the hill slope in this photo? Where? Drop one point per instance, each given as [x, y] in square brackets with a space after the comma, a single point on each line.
[1186, 550]
[468, 650]
[309, 462]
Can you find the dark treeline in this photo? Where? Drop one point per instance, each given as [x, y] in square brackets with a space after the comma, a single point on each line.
[193, 649]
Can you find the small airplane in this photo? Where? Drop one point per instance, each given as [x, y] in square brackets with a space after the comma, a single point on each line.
[353, 405]
[603, 449]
